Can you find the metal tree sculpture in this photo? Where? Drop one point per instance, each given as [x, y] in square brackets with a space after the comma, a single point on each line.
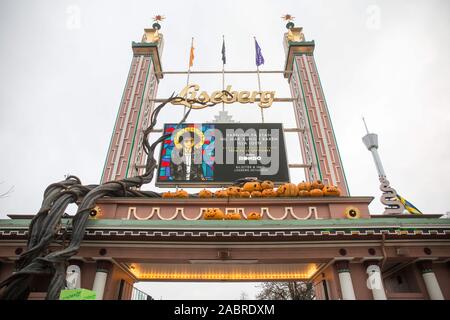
[44, 228]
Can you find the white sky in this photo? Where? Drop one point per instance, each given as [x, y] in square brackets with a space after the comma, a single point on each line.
[64, 65]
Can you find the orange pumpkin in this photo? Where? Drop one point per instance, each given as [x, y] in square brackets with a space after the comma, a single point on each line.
[252, 186]
[181, 194]
[256, 194]
[233, 216]
[288, 190]
[306, 186]
[213, 214]
[205, 194]
[267, 185]
[317, 185]
[254, 216]
[331, 191]
[269, 193]
[168, 194]
[233, 192]
[245, 194]
[221, 194]
[316, 193]
[304, 193]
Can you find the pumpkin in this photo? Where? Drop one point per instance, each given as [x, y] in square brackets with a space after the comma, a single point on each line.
[269, 193]
[316, 193]
[304, 193]
[254, 216]
[331, 191]
[252, 186]
[181, 194]
[288, 190]
[267, 185]
[233, 192]
[168, 194]
[305, 186]
[256, 194]
[317, 185]
[244, 194]
[213, 214]
[221, 194]
[205, 194]
[233, 216]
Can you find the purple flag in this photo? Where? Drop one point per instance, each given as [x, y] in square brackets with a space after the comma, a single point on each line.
[259, 56]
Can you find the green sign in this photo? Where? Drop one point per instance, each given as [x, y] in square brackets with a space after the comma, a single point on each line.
[77, 294]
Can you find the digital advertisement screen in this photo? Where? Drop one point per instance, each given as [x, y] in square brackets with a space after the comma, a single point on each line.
[217, 154]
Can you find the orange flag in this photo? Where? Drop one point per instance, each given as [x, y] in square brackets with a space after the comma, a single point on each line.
[191, 57]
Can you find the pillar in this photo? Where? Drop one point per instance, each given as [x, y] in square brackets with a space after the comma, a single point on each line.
[345, 280]
[101, 275]
[374, 280]
[431, 283]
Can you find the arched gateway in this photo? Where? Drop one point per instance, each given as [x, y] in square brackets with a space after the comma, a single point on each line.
[248, 230]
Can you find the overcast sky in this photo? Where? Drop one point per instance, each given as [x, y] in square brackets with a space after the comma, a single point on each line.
[63, 67]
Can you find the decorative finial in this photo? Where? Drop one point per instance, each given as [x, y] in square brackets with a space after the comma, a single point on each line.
[289, 18]
[365, 125]
[157, 18]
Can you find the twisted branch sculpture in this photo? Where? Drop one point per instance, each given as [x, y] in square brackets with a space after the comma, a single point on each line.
[44, 227]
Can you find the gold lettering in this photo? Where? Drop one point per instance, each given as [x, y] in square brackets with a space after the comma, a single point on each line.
[244, 97]
[266, 99]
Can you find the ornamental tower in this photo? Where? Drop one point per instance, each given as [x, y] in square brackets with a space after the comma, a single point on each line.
[317, 140]
[126, 156]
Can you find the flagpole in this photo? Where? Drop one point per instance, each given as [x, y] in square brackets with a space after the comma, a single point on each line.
[223, 73]
[189, 70]
[259, 87]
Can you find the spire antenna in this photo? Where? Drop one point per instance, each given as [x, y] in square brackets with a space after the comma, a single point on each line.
[365, 125]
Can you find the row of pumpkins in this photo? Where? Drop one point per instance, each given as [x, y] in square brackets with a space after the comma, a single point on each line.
[264, 189]
[217, 214]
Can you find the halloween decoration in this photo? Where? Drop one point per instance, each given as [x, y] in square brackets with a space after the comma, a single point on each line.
[234, 192]
[221, 194]
[168, 194]
[331, 191]
[233, 216]
[267, 185]
[181, 194]
[316, 193]
[304, 193]
[317, 185]
[245, 194]
[256, 194]
[254, 216]
[306, 186]
[288, 190]
[95, 213]
[252, 186]
[205, 194]
[213, 214]
[269, 193]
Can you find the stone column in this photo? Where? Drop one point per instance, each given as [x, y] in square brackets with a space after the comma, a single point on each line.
[101, 275]
[375, 281]
[345, 280]
[434, 291]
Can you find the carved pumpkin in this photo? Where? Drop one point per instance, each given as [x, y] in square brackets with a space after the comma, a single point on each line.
[233, 216]
[213, 214]
[221, 194]
[269, 193]
[245, 194]
[267, 185]
[233, 192]
[252, 186]
[168, 194]
[181, 194]
[205, 194]
[288, 190]
[306, 186]
[317, 185]
[254, 216]
[256, 194]
[331, 191]
[304, 193]
[316, 193]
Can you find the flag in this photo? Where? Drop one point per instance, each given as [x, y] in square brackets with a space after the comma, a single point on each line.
[224, 59]
[191, 56]
[259, 56]
[408, 205]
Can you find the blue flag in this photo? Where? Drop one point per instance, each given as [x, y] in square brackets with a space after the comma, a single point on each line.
[259, 56]
[224, 59]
